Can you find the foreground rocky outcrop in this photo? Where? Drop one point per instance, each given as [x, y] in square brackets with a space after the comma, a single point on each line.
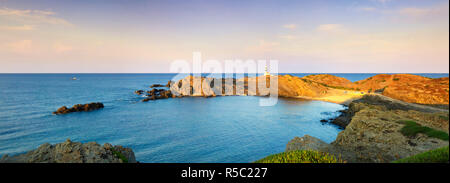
[79, 108]
[74, 152]
[379, 100]
[373, 132]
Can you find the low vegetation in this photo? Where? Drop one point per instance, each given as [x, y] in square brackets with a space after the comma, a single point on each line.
[120, 156]
[439, 155]
[443, 117]
[412, 128]
[303, 156]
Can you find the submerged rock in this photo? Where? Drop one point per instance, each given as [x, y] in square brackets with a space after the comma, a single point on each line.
[79, 108]
[74, 152]
[157, 85]
[139, 92]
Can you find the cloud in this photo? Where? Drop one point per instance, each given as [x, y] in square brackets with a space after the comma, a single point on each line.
[415, 12]
[17, 28]
[330, 28]
[290, 26]
[32, 17]
[61, 48]
[267, 45]
[368, 9]
[382, 1]
[21, 46]
[288, 37]
[423, 12]
[264, 46]
[438, 12]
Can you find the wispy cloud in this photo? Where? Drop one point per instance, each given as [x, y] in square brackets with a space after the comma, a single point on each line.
[288, 37]
[438, 12]
[32, 17]
[264, 46]
[17, 28]
[290, 26]
[61, 47]
[423, 12]
[330, 28]
[382, 1]
[22, 46]
[368, 9]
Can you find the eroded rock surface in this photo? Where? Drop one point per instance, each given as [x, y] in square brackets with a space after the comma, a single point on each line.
[74, 152]
[372, 133]
[405, 87]
[306, 143]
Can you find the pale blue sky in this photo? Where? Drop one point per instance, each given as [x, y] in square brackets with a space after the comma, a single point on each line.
[146, 36]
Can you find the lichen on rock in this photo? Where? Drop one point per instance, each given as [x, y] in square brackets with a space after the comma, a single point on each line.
[74, 152]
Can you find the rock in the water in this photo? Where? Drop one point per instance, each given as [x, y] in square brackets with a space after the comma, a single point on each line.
[158, 94]
[168, 84]
[79, 108]
[157, 85]
[139, 92]
[74, 152]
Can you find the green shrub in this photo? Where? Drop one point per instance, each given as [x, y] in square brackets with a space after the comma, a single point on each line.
[412, 128]
[396, 79]
[439, 155]
[120, 156]
[443, 117]
[303, 156]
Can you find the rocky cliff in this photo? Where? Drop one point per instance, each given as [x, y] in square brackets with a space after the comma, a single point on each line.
[74, 152]
[285, 86]
[405, 87]
[373, 133]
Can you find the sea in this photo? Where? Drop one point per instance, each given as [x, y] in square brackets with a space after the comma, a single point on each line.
[181, 130]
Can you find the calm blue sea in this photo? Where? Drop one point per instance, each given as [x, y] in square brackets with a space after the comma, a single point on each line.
[220, 129]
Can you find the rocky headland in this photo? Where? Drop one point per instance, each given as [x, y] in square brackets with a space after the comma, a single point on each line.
[404, 87]
[74, 152]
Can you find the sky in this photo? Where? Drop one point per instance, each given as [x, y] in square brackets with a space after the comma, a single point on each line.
[121, 36]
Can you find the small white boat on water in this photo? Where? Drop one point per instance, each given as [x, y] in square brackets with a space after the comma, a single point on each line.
[74, 78]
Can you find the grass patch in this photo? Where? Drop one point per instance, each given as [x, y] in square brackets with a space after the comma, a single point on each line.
[396, 79]
[443, 117]
[412, 128]
[304, 156]
[439, 155]
[120, 156]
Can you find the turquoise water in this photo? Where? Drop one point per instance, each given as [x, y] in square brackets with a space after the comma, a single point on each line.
[220, 129]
